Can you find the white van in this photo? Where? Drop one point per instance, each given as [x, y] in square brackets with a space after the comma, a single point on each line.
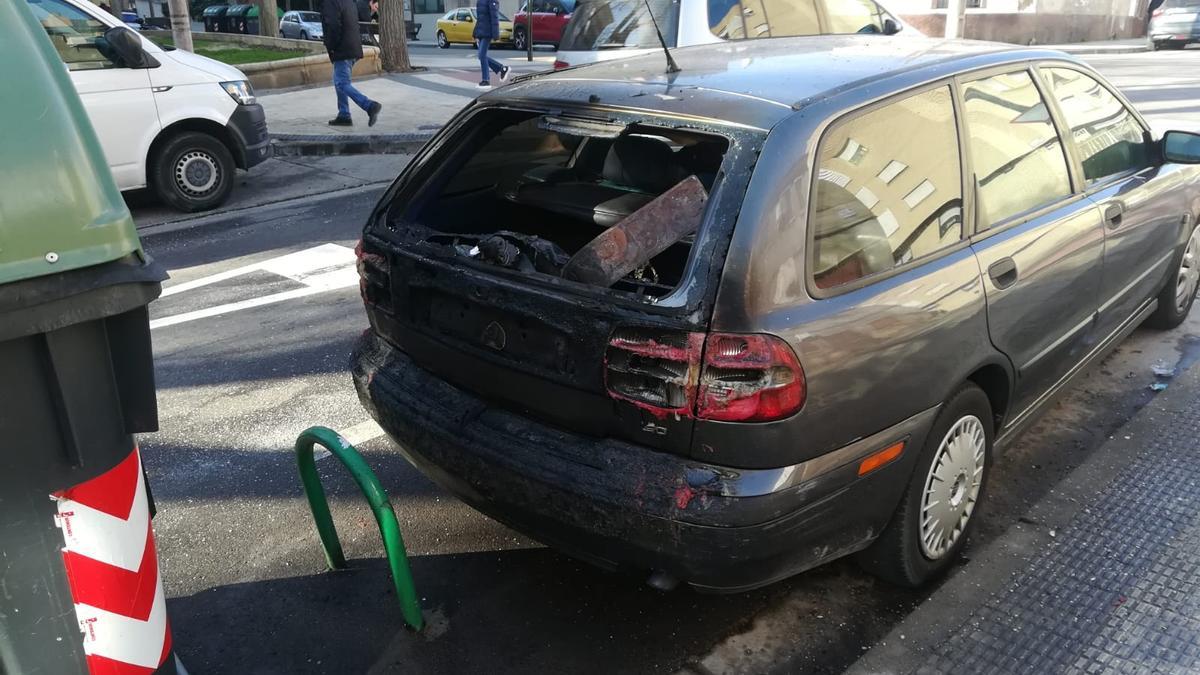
[167, 119]
[600, 30]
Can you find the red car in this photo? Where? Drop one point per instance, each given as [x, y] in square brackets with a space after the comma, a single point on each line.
[549, 19]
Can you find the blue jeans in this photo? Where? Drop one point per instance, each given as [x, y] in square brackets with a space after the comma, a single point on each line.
[341, 84]
[485, 62]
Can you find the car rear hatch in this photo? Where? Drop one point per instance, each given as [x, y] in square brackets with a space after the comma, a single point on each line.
[562, 263]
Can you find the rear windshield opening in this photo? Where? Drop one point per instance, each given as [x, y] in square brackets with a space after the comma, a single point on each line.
[605, 205]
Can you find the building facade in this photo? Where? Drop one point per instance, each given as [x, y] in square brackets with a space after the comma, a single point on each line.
[1032, 22]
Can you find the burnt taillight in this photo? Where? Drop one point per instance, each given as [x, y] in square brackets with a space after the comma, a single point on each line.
[374, 279]
[749, 378]
[722, 376]
[655, 370]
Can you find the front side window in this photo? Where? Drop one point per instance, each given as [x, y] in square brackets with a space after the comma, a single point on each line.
[1016, 155]
[77, 36]
[888, 189]
[1109, 137]
[742, 19]
[853, 16]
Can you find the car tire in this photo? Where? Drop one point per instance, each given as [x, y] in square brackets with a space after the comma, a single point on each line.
[1155, 45]
[1177, 296]
[442, 42]
[303, 35]
[519, 40]
[909, 554]
[192, 171]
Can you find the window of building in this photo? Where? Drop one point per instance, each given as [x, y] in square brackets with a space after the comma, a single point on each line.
[1109, 137]
[853, 16]
[884, 198]
[429, 6]
[739, 20]
[1016, 154]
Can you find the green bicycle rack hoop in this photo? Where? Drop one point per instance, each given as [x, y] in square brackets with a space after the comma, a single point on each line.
[389, 528]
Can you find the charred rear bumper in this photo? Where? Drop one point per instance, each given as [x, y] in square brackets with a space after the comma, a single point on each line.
[620, 505]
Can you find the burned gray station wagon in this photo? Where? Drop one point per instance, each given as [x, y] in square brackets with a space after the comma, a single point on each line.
[723, 325]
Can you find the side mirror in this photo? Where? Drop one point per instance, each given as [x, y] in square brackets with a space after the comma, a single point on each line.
[890, 27]
[470, 19]
[127, 47]
[1181, 147]
[557, 9]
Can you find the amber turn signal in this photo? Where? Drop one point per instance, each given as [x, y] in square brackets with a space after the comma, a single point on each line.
[881, 458]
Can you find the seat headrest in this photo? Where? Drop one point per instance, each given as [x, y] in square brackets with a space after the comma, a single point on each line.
[642, 162]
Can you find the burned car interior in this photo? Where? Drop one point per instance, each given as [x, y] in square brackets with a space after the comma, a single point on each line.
[605, 204]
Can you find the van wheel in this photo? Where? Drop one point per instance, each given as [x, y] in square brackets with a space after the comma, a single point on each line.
[442, 41]
[938, 510]
[193, 172]
[1179, 293]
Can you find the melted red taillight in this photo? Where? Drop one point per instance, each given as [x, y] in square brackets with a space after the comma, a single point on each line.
[749, 378]
[723, 376]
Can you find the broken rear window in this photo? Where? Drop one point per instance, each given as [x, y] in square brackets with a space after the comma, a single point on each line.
[609, 205]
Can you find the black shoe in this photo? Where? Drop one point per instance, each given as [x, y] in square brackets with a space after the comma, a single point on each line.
[504, 74]
[341, 122]
[373, 113]
[484, 84]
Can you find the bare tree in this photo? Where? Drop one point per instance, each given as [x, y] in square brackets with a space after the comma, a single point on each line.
[181, 24]
[268, 19]
[393, 41]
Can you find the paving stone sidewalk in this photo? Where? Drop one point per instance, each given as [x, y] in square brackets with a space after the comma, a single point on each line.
[1115, 589]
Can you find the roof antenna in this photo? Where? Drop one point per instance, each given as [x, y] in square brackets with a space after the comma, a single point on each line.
[672, 67]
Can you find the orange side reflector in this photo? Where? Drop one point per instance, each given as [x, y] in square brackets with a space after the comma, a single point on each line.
[880, 458]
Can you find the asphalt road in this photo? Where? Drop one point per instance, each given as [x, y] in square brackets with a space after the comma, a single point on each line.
[251, 342]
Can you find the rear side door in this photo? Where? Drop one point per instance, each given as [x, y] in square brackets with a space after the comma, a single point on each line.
[1123, 177]
[288, 26]
[460, 30]
[1039, 242]
[119, 100]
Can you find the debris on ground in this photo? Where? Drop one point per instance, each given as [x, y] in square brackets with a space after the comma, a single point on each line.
[1161, 369]
[1158, 386]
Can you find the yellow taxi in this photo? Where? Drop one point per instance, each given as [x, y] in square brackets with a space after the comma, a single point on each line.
[458, 24]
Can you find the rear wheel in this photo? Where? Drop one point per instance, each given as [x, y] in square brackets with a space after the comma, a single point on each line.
[442, 41]
[192, 172]
[1179, 294]
[939, 508]
[519, 39]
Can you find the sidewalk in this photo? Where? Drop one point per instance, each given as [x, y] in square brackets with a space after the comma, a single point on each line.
[415, 105]
[1103, 576]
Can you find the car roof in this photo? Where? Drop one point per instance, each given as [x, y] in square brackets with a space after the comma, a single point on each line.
[759, 82]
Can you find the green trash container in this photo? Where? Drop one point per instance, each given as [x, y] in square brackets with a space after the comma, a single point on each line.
[80, 589]
[237, 18]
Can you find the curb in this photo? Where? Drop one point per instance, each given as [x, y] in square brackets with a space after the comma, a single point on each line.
[309, 145]
[1105, 50]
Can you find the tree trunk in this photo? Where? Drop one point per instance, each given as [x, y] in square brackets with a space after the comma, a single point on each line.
[393, 41]
[181, 24]
[268, 19]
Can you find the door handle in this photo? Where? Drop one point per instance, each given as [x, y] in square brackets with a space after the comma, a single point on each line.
[1003, 272]
[1113, 214]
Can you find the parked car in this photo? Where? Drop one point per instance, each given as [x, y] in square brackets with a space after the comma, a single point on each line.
[458, 24]
[600, 30]
[301, 26]
[733, 322]
[167, 119]
[1175, 24]
[549, 19]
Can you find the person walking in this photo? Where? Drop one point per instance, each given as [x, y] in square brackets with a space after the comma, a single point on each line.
[343, 41]
[487, 28]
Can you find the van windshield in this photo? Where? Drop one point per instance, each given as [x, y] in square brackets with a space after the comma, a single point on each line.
[620, 24]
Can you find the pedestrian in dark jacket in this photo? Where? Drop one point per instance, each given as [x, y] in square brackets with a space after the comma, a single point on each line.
[487, 28]
[343, 41]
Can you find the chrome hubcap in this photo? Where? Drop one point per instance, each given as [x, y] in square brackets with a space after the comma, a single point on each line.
[1189, 272]
[196, 173]
[952, 486]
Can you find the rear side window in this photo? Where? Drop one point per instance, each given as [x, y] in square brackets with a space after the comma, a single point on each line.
[853, 16]
[1109, 137]
[888, 189]
[616, 24]
[1016, 155]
